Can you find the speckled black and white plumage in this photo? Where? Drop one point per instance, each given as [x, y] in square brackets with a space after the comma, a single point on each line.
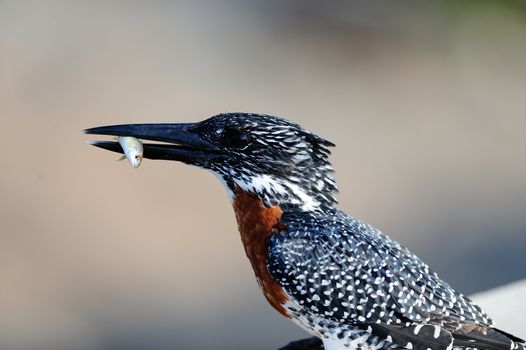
[336, 268]
[342, 280]
[373, 277]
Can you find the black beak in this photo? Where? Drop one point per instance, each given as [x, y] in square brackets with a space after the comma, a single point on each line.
[182, 142]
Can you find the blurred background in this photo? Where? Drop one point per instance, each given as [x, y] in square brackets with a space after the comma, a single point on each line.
[426, 102]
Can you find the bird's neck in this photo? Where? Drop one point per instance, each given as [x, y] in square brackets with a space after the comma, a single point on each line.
[257, 224]
[288, 194]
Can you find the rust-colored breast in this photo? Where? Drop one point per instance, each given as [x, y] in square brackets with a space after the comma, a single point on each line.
[256, 224]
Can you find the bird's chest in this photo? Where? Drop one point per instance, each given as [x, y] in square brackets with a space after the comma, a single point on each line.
[256, 224]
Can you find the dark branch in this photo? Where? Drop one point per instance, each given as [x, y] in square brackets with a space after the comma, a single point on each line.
[304, 344]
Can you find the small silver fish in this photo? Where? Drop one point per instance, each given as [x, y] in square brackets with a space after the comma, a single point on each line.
[132, 148]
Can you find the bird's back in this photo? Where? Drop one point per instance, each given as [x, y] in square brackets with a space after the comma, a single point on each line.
[339, 270]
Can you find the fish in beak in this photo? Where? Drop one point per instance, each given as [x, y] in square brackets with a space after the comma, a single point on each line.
[179, 141]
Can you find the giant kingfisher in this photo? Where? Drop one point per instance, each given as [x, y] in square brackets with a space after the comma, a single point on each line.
[340, 279]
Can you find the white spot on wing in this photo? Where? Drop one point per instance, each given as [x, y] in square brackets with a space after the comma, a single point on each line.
[436, 333]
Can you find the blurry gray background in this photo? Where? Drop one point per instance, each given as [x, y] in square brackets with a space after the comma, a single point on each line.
[425, 101]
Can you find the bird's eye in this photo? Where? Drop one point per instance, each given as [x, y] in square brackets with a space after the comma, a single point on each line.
[237, 138]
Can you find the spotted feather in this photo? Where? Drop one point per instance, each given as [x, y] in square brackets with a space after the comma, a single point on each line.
[349, 272]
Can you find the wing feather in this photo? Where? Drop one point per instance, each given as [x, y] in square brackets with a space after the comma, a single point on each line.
[349, 272]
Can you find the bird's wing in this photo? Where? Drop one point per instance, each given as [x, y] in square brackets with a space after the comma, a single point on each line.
[349, 272]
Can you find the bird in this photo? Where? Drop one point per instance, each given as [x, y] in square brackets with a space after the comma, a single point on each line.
[339, 278]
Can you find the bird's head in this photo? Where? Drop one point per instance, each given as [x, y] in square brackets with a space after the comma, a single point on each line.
[272, 158]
